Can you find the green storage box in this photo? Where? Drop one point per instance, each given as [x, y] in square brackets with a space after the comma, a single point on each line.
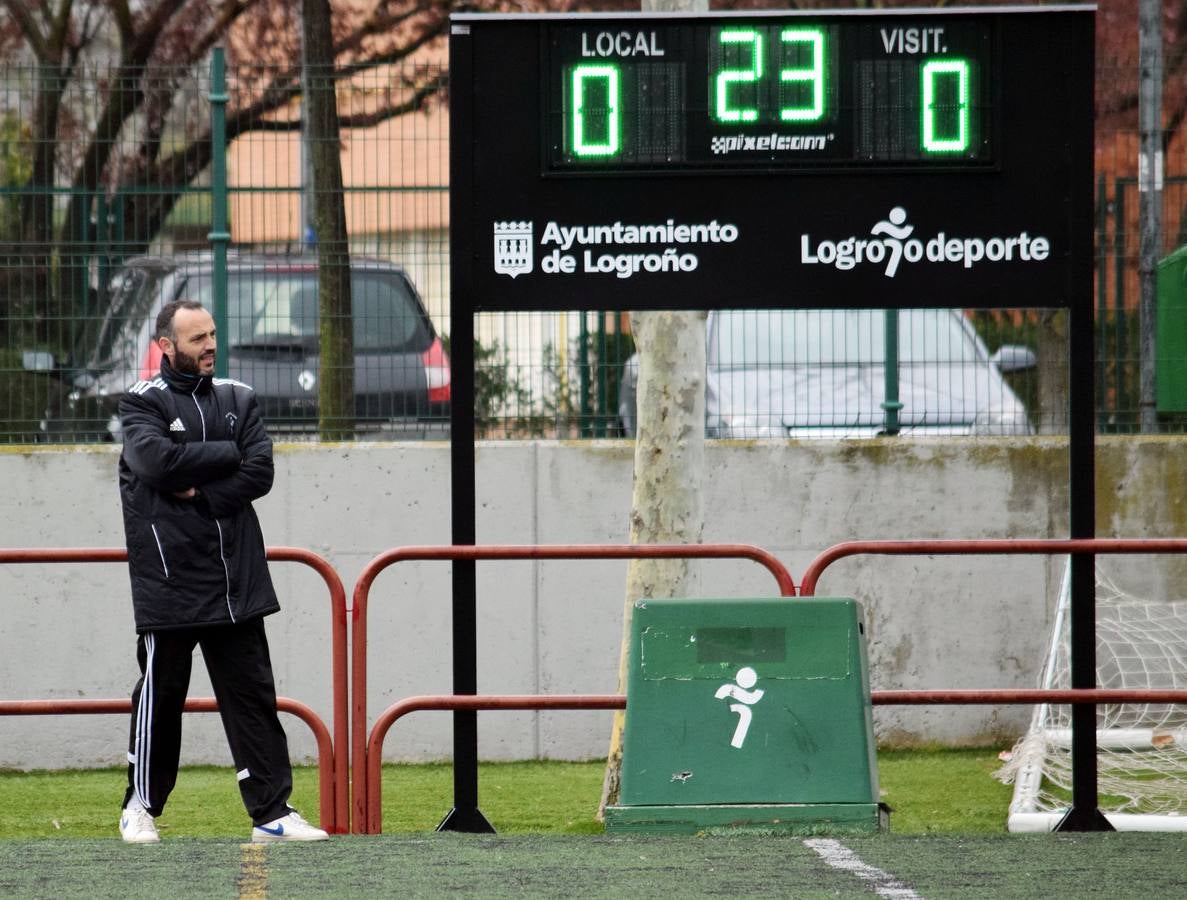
[748, 714]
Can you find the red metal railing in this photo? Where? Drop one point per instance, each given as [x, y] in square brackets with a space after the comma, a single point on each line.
[984, 547]
[388, 718]
[1084, 775]
[326, 765]
[1024, 696]
[339, 681]
[333, 772]
[362, 589]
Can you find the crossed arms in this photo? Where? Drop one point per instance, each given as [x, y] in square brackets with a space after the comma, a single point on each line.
[225, 475]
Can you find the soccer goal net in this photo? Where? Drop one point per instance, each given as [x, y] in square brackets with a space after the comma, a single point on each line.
[1142, 747]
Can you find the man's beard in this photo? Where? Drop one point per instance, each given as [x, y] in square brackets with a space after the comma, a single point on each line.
[186, 364]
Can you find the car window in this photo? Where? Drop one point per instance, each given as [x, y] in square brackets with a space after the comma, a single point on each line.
[755, 338]
[118, 340]
[386, 315]
[269, 308]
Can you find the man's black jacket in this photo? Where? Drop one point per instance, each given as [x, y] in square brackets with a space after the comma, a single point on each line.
[199, 561]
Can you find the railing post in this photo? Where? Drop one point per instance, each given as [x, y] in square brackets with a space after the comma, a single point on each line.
[220, 234]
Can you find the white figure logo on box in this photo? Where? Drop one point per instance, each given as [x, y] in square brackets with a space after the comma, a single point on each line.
[746, 678]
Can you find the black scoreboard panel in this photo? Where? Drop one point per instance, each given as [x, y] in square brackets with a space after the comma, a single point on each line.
[904, 158]
[769, 93]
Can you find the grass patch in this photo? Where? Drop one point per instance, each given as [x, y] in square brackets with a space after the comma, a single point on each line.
[931, 792]
[82, 803]
[938, 791]
[517, 798]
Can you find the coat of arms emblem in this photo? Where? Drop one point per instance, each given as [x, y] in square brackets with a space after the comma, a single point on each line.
[513, 248]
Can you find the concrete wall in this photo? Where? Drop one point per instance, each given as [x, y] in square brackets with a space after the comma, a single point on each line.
[554, 627]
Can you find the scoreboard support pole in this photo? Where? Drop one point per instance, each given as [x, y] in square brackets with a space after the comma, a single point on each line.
[1085, 814]
[465, 814]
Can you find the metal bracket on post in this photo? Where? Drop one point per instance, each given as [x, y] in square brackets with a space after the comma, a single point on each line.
[468, 821]
[1077, 819]
[220, 235]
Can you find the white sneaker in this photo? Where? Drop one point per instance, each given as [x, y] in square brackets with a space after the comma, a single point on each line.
[287, 828]
[137, 826]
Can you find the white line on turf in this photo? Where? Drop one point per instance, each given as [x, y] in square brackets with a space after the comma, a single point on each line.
[839, 856]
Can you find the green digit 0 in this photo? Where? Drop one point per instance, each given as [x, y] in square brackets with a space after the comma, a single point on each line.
[722, 110]
[811, 75]
[595, 117]
[946, 118]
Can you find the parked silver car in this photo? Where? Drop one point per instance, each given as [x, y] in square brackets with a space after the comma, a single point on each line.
[821, 373]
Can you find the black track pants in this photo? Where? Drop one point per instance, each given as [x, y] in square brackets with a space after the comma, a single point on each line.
[241, 672]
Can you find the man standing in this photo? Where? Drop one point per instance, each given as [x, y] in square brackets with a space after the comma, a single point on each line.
[195, 457]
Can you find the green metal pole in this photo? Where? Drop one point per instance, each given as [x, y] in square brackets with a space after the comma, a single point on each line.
[120, 231]
[1121, 405]
[220, 234]
[603, 413]
[102, 251]
[583, 390]
[1102, 287]
[79, 261]
[891, 405]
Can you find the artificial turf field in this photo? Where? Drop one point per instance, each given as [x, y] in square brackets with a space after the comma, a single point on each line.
[445, 865]
[58, 839]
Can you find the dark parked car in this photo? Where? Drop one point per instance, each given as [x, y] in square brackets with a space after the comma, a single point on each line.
[401, 372]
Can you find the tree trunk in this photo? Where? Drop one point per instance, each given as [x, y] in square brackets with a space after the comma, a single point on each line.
[336, 384]
[1053, 372]
[30, 294]
[667, 506]
[77, 235]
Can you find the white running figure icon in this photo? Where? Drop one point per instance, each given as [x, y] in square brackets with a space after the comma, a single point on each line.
[746, 678]
[897, 231]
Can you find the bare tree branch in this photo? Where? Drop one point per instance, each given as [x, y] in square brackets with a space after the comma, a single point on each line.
[218, 29]
[387, 24]
[420, 98]
[61, 27]
[396, 55]
[123, 22]
[150, 32]
[30, 28]
[88, 29]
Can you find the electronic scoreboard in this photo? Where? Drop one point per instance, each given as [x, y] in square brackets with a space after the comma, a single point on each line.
[885, 158]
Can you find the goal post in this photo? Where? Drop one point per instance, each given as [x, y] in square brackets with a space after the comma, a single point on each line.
[1141, 747]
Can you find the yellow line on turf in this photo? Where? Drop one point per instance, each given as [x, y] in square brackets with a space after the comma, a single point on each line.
[253, 872]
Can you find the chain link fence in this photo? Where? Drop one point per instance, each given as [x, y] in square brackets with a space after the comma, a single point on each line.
[106, 211]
